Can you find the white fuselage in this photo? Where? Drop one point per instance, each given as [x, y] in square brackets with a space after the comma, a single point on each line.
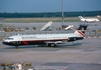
[40, 37]
[90, 20]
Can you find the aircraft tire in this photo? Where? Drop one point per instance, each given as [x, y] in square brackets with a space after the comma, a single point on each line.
[55, 45]
[49, 45]
[16, 45]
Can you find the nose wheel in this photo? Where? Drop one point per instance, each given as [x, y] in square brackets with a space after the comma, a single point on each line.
[49, 45]
[55, 45]
[16, 45]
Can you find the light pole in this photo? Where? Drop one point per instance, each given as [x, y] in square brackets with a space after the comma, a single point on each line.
[62, 12]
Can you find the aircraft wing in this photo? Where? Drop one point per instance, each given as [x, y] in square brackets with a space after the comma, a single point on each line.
[54, 42]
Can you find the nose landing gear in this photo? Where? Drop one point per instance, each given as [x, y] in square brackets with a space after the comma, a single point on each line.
[17, 44]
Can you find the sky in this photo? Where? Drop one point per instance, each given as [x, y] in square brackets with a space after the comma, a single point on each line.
[32, 6]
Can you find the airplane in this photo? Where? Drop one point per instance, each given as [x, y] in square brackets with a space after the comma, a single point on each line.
[45, 39]
[88, 20]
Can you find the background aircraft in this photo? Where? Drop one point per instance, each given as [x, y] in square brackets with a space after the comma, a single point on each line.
[88, 20]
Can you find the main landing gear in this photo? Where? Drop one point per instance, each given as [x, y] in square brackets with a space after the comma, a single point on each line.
[55, 45]
[16, 44]
[50, 45]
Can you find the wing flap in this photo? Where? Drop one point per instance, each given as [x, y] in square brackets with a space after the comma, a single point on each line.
[53, 42]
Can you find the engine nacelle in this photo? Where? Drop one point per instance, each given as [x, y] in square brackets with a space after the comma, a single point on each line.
[74, 39]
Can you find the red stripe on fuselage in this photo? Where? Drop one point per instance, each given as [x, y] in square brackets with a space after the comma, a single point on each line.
[25, 42]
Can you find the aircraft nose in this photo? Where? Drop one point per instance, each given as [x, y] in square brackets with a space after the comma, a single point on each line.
[7, 43]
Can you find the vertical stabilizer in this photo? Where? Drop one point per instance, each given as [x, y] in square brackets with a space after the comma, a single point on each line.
[80, 33]
[81, 17]
[81, 30]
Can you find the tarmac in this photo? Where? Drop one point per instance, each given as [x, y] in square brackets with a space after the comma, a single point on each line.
[79, 55]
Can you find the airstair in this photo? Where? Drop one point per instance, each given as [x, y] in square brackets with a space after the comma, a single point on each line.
[46, 26]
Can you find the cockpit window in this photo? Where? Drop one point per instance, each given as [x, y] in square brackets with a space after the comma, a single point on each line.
[9, 38]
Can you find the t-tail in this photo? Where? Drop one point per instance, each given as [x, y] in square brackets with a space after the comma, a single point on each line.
[81, 30]
[81, 17]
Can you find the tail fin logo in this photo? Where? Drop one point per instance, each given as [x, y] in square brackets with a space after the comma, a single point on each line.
[81, 30]
[80, 33]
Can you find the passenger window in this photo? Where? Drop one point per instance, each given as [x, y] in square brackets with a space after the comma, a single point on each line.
[10, 38]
